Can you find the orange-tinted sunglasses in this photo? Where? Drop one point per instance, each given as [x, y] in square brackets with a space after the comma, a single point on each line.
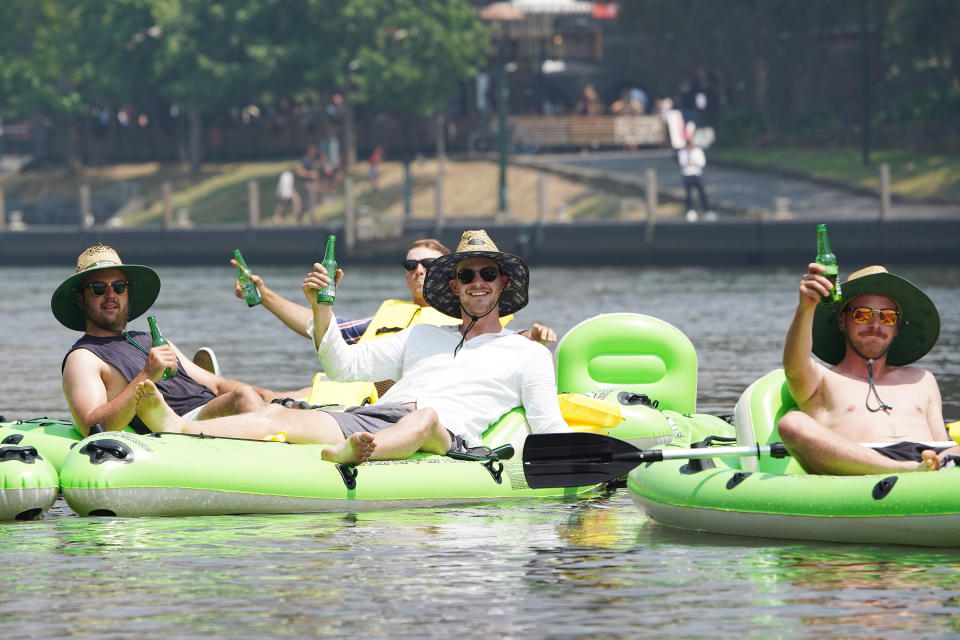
[863, 315]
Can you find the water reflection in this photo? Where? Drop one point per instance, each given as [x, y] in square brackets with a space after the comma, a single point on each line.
[587, 568]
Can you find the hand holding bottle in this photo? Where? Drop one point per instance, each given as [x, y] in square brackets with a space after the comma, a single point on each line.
[238, 290]
[163, 350]
[318, 280]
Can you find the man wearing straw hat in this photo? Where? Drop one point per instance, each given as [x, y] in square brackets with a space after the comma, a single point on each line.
[102, 369]
[452, 381]
[884, 323]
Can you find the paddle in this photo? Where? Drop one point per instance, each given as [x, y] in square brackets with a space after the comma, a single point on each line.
[584, 459]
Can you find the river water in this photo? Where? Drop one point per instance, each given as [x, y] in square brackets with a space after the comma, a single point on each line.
[589, 568]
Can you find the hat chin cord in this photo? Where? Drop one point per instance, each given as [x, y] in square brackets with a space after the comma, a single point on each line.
[473, 321]
[872, 390]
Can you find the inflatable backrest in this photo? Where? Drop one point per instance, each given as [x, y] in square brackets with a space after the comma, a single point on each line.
[757, 413]
[629, 351]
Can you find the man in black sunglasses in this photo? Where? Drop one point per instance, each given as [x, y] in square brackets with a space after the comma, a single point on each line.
[883, 323]
[452, 381]
[418, 258]
[102, 369]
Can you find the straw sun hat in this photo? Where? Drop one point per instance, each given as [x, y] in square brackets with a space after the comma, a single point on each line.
[436, 286]
[919, 322]
[143, 290]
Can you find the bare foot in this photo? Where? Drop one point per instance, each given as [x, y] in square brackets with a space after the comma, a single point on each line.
[354, 450]
[931, 461]
[153, 410]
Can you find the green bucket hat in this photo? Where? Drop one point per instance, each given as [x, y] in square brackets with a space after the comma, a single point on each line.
[919, 321]
[143, 290]
[436, 286]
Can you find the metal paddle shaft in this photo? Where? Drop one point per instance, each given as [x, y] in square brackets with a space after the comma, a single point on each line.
[585, 459]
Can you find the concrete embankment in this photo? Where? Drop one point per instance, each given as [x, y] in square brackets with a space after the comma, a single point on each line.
[737, 241]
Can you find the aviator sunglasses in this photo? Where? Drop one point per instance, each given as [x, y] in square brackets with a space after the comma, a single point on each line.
[863, 315]
[410, 265]
[99, 288]
[489, 274]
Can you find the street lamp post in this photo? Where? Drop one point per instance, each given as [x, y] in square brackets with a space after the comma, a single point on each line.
[503, 135]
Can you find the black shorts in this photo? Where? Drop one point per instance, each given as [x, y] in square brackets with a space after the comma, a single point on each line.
[907, 450]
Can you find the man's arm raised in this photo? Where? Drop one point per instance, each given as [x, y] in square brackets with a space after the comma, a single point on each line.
[322, 313]
[290, 313]
[804, 375]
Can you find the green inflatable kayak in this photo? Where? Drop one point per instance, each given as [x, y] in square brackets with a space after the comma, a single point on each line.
[627, 359]
[29, 484]
[165, 474]
[759, 495]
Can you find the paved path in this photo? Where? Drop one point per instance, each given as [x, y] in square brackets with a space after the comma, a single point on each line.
[738, 190]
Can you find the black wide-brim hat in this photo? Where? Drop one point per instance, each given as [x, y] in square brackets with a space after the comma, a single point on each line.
[919, 321]
[436, 285]
[143, 289]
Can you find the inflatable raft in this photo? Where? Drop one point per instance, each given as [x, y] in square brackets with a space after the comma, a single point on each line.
[28, 478]
[759, 495]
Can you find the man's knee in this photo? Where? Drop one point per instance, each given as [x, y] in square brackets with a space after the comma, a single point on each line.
[245, 398]
[791, 425]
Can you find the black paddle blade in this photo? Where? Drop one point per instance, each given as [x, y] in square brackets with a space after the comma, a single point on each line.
[578, 459]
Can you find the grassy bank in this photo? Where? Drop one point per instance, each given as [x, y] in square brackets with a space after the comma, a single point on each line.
[132, 194]
[912, 176]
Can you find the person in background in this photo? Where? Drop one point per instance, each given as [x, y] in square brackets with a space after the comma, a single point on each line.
[692, 161]
[286, 194]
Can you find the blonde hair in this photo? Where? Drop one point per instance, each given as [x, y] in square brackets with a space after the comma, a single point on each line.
[429, 243]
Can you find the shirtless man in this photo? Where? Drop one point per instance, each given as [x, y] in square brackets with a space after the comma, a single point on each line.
[884, 323]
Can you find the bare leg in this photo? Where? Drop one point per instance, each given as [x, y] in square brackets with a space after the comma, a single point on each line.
[819, 450]
[241, 399]
[419, 430]
[305, 427]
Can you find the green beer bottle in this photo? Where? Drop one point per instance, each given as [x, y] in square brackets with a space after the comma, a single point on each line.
[826, 258]
[159, 341]
[250, 291]
[329, 292]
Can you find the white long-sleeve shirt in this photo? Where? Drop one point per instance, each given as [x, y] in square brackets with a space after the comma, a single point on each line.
[692, 161]
[490, 375]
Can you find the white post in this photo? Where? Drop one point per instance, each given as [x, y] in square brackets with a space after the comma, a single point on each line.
[167, 191]
[86, 220]
[253, 202]
[3, 212]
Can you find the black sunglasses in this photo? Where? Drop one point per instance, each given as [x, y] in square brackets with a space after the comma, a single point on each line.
[99, 288]
[410, 265]
[489, 274]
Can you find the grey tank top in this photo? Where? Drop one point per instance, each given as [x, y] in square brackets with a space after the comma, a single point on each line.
[181, 392]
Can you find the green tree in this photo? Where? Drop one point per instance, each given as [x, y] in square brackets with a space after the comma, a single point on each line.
[58, 58]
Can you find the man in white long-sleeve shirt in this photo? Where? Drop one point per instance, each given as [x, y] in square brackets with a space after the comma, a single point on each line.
[692, 161]
[452, 382]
